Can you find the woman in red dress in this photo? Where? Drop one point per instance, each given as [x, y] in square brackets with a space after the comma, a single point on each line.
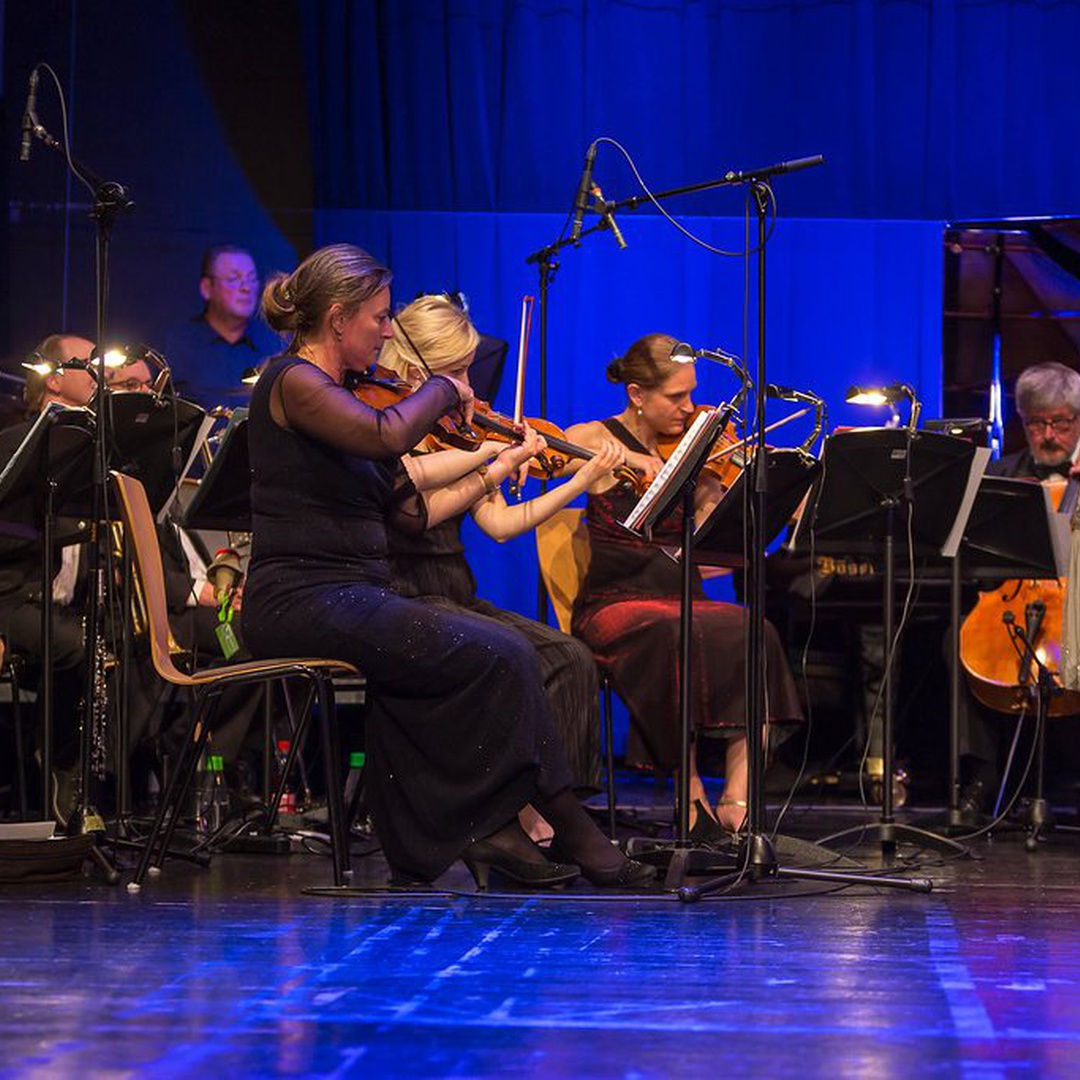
[628, 608]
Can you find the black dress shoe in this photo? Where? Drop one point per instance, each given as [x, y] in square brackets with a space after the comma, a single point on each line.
[628, 874]
[484, 856]
[706, 830]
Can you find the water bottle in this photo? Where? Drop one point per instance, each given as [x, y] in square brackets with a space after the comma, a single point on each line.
[220, 813]
[288, 797]
[213, 805]
[354, 787]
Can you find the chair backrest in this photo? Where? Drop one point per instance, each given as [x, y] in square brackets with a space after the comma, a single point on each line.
[562, 544]
[142, 532]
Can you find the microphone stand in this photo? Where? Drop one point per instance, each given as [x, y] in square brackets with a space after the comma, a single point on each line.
[110, 200]
[1040, 820]
[546, 261]
[757, 859]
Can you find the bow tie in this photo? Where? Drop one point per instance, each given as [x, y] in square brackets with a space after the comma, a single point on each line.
[1044, 472]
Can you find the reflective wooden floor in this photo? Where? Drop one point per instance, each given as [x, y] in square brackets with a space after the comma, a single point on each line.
[234, 971]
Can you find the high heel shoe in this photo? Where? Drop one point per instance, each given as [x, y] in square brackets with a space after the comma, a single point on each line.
[706, 830]
[629, 874]
[482, 856]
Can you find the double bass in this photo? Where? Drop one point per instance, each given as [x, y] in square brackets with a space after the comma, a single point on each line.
[998, 671]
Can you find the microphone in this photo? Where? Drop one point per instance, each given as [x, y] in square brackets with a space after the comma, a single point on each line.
[786, 393]
[29, 120]
[1034, 614]
[607, 217]
[224, 573]
[581, 200]
[743, 175]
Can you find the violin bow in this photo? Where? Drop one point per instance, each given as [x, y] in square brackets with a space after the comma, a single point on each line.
[523, 350]
[772, 427]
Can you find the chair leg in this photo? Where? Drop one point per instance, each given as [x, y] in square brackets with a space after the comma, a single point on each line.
[335, 801]
[297, 733]
[297, 730]
[609, 753]
[172, 799]
[196, 750]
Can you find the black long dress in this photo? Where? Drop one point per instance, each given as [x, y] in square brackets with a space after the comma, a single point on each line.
[432, 567]
[628, 612]
[458, 731]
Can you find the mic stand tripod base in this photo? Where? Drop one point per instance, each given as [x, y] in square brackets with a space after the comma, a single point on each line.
[889, 833]
[85, 820]
[756, 859]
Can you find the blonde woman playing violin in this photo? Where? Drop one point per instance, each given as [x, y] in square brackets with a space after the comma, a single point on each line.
[433, 335]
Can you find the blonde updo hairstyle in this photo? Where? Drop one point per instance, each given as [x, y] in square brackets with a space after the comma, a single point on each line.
[343, 274]
[647, 362]
[436, 328]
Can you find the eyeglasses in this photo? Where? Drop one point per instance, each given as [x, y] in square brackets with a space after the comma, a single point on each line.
[1058, 424]
[129, 384]
[234, 281]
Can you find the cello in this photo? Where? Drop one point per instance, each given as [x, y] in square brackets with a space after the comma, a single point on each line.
[998, 672]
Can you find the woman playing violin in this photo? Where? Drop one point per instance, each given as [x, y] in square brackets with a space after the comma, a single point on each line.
[628, 609]
[434, 335]
[459, 732]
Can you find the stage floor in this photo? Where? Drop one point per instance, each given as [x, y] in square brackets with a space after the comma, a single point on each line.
[233, 970]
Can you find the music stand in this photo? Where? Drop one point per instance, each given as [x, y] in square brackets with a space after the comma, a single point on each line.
[718, 539]
[673, 486]
[867, 476]
[223, 498]
[48, 476]
[150, 438]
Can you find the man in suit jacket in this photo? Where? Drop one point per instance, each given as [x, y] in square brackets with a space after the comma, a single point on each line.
[1048, 403]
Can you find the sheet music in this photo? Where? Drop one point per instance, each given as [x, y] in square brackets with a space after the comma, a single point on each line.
[1060, 534]
[201, 436]
[660, 485]
[975, 475]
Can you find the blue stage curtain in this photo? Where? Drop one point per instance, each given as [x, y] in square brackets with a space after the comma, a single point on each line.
[924, 110]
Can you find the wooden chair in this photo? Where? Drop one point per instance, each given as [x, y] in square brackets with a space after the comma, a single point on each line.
[562, 545]
[207, 686]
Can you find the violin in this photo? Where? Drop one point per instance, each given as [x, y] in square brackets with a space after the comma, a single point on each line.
[992, 665]
[381, 389]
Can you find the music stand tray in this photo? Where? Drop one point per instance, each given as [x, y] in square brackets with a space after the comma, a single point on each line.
[866, 470]
[719, 537]
[152, 439]
[223, 498]
[57, 448]
[1004, 538]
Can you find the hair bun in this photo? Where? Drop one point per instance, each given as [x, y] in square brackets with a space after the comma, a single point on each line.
[279, 304]
[614, 370]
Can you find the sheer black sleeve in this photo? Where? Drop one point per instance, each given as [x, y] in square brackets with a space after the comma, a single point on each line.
[408, 511]
[308, 401]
